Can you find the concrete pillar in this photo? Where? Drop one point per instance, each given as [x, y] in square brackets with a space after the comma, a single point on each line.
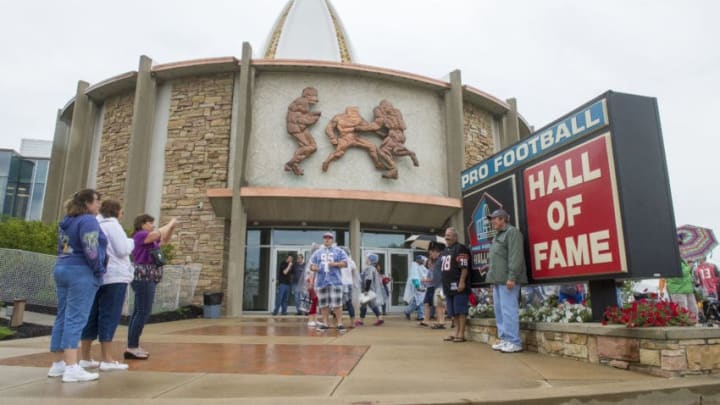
[455, 140]
[77, 157]
[355, 242]
[242, 116]
[53, 201]
[511, 126]
[139, 150]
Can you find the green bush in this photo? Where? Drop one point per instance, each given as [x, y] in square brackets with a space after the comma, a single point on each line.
[5, 332]
[32, 236]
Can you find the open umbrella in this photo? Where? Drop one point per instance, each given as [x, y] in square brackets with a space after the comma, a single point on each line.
[697, 242]
[423, 241]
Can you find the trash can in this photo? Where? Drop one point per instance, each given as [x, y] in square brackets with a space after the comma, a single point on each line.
[211, 304]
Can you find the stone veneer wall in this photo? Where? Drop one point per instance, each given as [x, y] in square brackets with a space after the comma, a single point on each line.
[113, 159]
[666, 352]
[196, 159]
[478, 134]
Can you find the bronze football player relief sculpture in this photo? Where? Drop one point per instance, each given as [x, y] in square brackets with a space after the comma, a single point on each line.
[299, 118]
[343, 132]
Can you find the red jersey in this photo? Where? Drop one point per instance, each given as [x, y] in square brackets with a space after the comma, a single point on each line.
[709, 277]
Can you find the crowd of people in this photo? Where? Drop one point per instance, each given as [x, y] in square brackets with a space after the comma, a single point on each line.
[92, 273]
[437, 289]
[97, 261]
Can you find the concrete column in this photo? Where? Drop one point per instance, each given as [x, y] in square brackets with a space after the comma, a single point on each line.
[242, 111]
[77, 158]
[355, 242]
[53, 201]
[455, 140]
[511, 125]
[139, 150]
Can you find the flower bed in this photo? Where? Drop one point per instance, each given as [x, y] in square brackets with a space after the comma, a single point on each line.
[662, 351]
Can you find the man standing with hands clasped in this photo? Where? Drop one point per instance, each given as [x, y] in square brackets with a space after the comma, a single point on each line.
[326, 262]
[456, 282]
[507, 272]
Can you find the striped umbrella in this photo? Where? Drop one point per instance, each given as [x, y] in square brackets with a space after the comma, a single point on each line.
[696, 242]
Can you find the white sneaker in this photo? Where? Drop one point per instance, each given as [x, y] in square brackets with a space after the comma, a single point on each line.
[511, 348]
[114, 366]
[89, 363]
[499, 345]
[57, 369]
[76, 373]
[311, 324]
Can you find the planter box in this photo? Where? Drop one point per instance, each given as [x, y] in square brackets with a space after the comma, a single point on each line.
[668, 352]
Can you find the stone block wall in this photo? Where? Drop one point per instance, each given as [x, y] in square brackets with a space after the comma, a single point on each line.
[666, 352]
[196, 159]
[478, 132]
[114, 143]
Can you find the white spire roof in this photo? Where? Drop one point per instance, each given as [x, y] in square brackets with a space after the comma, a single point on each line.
[308, 29]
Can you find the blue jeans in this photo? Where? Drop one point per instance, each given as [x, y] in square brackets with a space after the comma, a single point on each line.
[281, 299]
[507, 313]
[144, 297]
[299, 297]
[415, 305]
[75, 286]
[105, 313]
[373, 306]
[347, 298]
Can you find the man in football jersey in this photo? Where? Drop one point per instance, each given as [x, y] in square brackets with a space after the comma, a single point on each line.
[709, 277]
[506, 274]
[326, 262]
[456, 283]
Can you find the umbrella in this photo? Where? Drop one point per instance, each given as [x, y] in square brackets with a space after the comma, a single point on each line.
[423, 241]
[697, 242]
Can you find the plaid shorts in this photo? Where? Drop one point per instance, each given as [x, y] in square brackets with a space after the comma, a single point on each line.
[330, 296]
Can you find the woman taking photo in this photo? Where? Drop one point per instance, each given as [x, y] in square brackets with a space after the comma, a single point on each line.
[109, 300]
[78, 274]
[146, 276]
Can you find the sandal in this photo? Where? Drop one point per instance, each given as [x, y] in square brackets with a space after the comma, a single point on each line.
[438, 326]
[422, 323]
[449, 339]
[459, 339]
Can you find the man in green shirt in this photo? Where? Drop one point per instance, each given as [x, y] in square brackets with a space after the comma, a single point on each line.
[507, 272]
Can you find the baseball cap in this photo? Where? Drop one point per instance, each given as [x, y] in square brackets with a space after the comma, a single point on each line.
[498, 213]
[329, 235]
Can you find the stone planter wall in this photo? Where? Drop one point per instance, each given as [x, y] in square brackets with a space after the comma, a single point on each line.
[667, 352]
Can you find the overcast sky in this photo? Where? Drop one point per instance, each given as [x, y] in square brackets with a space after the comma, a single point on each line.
[551, 56]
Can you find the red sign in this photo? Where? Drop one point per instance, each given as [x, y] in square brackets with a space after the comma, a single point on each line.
[573, 216]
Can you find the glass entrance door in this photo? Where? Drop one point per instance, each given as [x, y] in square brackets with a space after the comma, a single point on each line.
[394, 263]
[278, 258]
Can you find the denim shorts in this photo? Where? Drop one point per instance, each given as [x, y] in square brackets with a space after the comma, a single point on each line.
[457, 304]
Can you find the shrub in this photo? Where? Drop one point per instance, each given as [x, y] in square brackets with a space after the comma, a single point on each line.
[560, 313]
[5, 332]
[32, 236]
[648, 313]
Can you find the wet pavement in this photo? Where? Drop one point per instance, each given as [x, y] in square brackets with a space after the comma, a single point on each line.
[260, 359]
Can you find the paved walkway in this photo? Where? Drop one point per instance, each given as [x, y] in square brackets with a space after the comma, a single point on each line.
[267, 361]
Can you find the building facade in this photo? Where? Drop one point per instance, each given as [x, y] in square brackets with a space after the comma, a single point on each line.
[256, 166]
[23, 177]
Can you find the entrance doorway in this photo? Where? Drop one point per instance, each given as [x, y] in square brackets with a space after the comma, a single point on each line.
[279, 255]
[394, 263]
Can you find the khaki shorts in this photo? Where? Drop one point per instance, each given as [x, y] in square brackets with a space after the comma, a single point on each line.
[439, 297]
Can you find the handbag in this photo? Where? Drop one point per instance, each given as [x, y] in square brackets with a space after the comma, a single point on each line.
[367, 297]
[158, 257]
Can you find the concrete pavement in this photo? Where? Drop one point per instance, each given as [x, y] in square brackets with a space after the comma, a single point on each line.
[258, 359]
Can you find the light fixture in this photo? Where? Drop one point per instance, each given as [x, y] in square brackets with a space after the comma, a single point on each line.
[256, 223]
[394, 227]
[303, 223]
[432, 230]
